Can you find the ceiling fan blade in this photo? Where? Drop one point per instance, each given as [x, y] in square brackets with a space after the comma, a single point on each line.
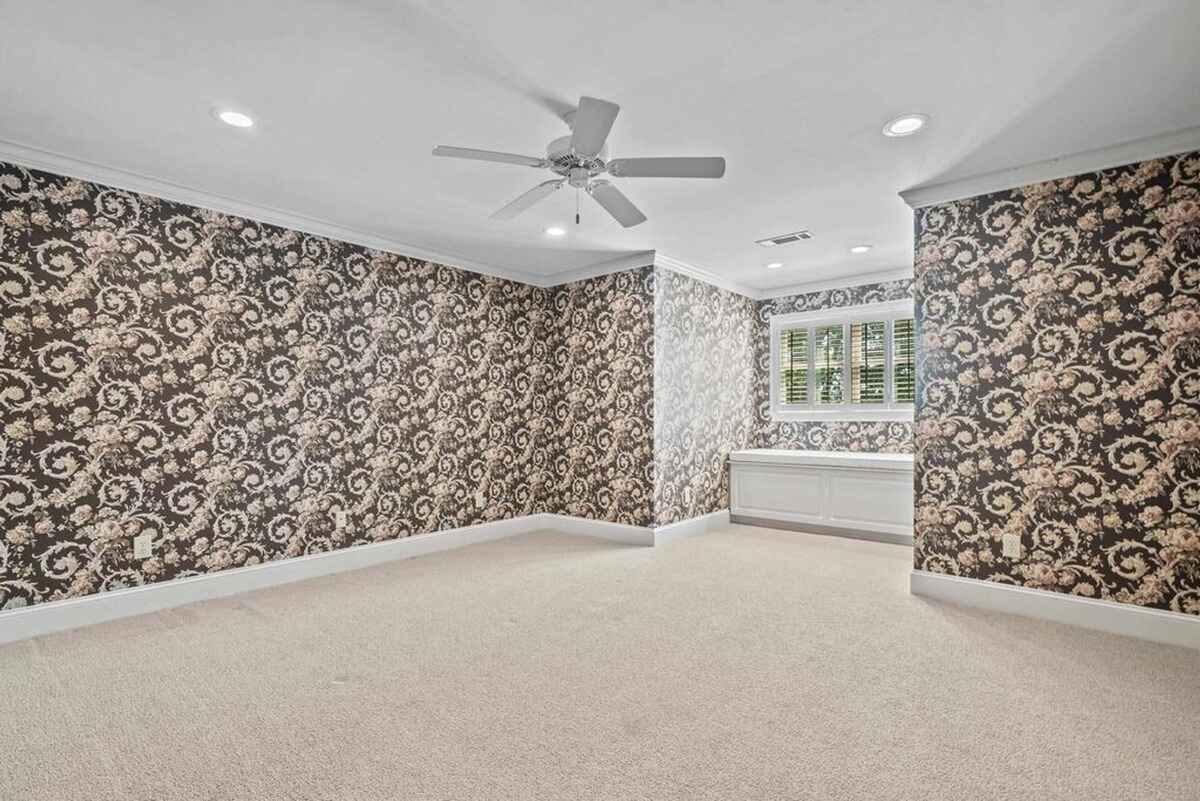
[487, 155]
[539, 192]
[591, 125]
[687, 167]
[616, 204]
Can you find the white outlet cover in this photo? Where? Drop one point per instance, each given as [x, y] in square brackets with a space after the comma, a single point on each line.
[143, 546]
[1012, 546]
[341, 519]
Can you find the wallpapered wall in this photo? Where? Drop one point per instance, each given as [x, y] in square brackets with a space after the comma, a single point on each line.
[226, 385]
[1059, 381]
[600, 401]
[703, 393]
[889, 437]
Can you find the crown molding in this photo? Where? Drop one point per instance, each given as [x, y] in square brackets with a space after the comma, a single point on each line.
[1153, 147]
[647, 258]
[128, 180]
[627, 261]
[659, 259]
[844, 282]
[700, 274]
[131, 181]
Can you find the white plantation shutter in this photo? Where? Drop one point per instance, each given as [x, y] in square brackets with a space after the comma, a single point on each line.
[793, 365]
[904, 361]
[868, 362]
[829, 362]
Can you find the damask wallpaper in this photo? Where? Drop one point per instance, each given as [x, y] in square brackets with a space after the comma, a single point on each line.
[887, 437]
[599, 435]
[1059, 380]
[704, 385]
[234, 389]
[227, 386]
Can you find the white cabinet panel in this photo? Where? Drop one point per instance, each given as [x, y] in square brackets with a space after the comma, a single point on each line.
[788, 493]
[882, 500]
[866, 495]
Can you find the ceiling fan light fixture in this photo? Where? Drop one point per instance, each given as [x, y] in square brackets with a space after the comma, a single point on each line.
[905, 125]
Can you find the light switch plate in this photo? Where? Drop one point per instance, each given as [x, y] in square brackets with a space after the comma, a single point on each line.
[1012, 546]
[143, 546]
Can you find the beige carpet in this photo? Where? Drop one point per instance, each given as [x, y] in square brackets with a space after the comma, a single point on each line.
[742, 664]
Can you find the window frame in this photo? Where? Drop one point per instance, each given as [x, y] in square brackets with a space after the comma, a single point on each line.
[845, 316]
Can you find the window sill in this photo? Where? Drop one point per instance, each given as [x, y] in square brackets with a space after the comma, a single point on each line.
[843, 416]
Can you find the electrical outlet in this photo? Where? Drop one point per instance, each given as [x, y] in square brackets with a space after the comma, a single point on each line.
[340, 518]
[1012, 546]
[143, 546]
[480, 498]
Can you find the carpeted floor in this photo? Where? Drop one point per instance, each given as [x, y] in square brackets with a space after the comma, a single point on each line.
[742, 664]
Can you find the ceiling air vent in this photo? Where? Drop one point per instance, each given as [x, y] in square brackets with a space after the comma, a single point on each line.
[783, 239]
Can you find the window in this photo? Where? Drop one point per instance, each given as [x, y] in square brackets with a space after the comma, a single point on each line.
[855, 363]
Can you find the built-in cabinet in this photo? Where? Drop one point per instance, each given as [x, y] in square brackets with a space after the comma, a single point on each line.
[864, 495]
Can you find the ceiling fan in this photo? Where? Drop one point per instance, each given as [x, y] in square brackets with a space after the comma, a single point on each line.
[579, 160]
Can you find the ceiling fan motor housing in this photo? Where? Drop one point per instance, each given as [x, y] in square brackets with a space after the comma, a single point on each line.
[577, 169]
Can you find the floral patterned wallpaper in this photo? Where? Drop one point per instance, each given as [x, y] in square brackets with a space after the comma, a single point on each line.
[227, 386]
[885, 437]
[1059, 380]
[598, 460]
[232, 389]
[704, 399]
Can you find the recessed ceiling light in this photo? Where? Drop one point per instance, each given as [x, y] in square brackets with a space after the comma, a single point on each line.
[775, 265]
[554, 230]
[905, 125]
[860, 248]
[235, 118]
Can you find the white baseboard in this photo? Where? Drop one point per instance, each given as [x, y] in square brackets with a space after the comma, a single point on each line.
[52, 616]
[1172, 628]
[585, 527]
[45, 618]
[849, 532]
[692, 527]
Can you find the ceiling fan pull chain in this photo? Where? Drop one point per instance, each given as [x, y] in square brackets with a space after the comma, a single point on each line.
[577, 205]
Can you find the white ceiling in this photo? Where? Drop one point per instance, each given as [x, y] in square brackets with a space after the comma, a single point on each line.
[350, 97]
